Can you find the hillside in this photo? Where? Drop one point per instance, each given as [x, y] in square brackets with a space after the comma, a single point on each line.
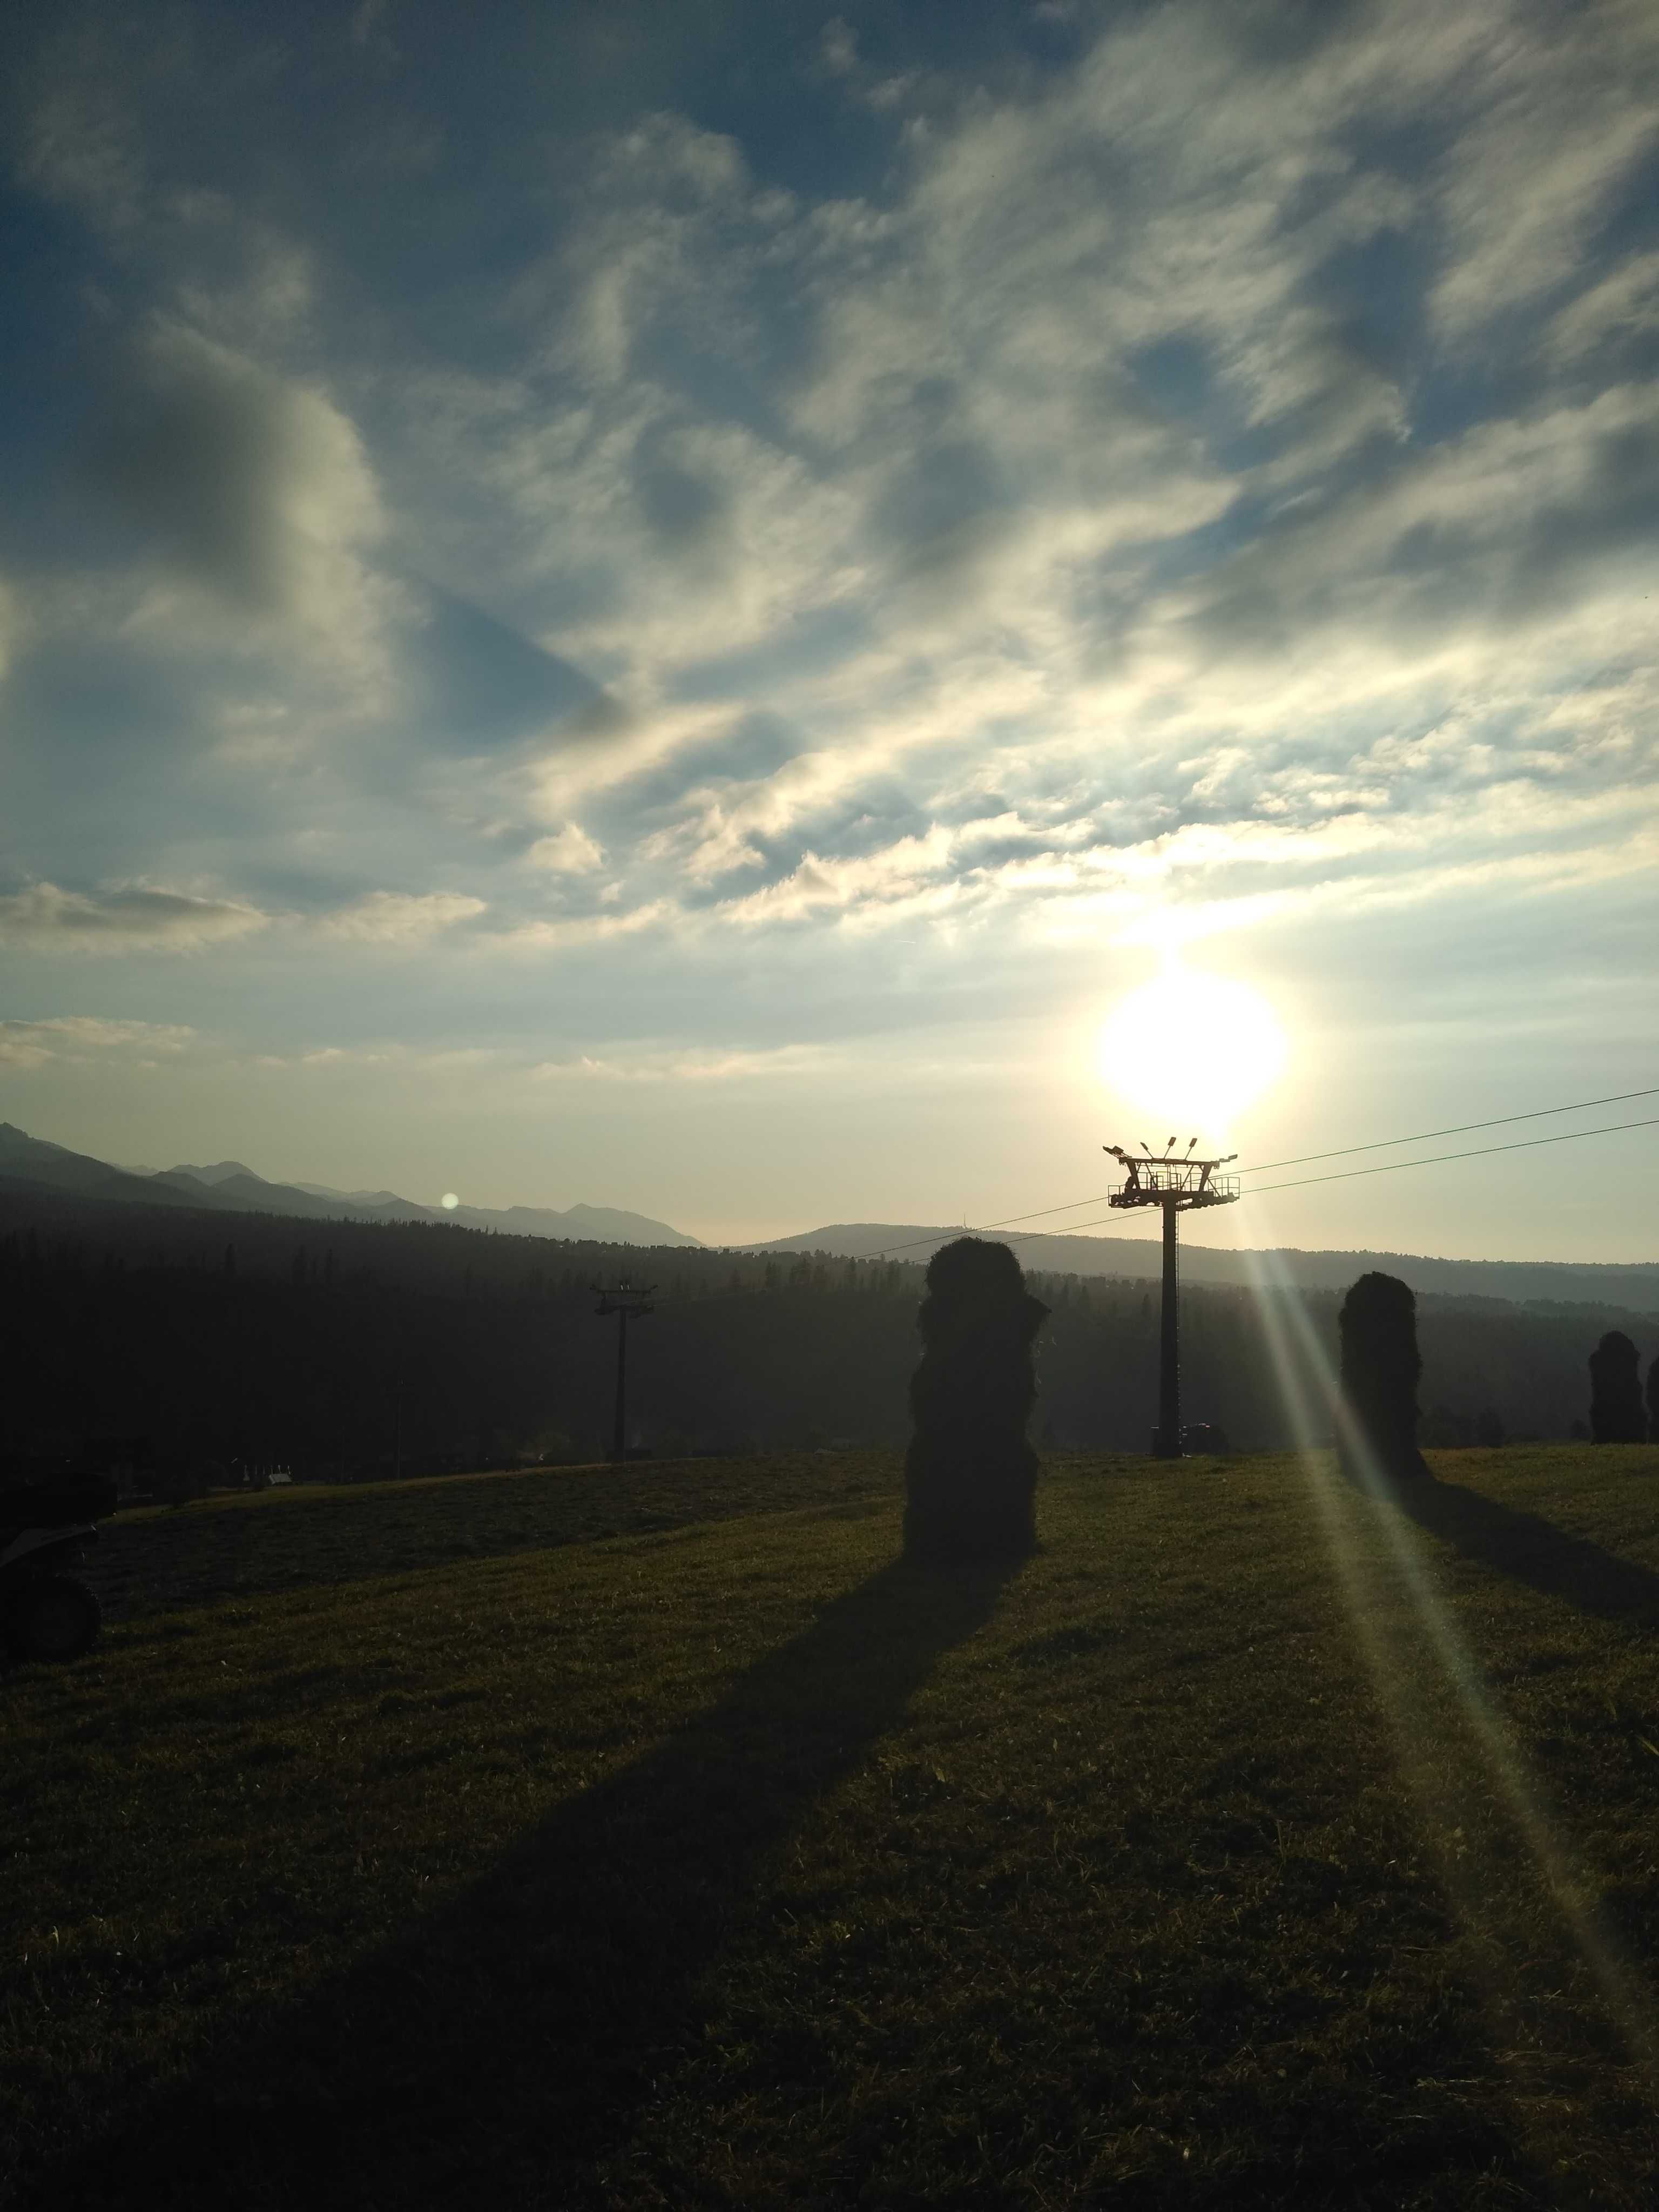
[228, 1187]
[358, 1348]
[1560, 1282]
[480, 1858]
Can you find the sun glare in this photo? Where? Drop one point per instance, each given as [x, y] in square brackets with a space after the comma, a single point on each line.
[1192, 1049]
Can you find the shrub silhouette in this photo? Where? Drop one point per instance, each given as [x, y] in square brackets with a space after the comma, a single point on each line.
[1653, 1399]
[1381, 1365]
[1616, 1414]
[969, 1474]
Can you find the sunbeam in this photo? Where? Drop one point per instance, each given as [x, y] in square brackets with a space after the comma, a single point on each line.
[1448, 1792]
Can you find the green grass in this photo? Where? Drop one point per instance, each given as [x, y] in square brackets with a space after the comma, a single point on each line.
[465, 1853]
[153, 1558]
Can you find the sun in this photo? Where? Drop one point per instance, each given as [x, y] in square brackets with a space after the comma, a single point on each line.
[1191, 1049]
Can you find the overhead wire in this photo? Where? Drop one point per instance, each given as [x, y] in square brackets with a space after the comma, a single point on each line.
[1423, 1136]
[1302, 1183]
[1390, 1167]
[1344, 1151]
[1480, 1152]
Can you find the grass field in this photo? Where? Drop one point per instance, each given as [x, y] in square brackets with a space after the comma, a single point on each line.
[651, 1838]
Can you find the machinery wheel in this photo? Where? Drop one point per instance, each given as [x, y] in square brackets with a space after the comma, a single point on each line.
[53, 1617]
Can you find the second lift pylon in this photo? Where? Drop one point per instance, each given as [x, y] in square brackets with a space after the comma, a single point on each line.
[627, 1304]
[1178, 1184]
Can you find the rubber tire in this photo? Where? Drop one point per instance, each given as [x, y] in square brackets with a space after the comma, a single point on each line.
[54, 1617]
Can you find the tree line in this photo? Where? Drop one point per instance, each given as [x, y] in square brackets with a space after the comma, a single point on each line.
[347, 1350]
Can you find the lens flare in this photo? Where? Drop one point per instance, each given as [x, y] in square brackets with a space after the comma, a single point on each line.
[1192, 1048]
[1431, 1685]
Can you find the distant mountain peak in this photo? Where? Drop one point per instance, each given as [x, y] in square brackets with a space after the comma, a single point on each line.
[231, 1187]
[13, 1139]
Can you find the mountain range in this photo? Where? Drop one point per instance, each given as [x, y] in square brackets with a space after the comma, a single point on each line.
[230, 1187]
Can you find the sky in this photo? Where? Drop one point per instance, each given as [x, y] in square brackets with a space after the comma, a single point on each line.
[670, 607]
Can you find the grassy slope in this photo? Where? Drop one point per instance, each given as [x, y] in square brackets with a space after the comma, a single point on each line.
[726, 1862]
[153, 1558]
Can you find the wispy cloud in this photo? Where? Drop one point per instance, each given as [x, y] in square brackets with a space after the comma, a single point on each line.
[597, 927]
[83, 1037]
[673, 1065]
[401, 917]
[133, 919]
[569, 852]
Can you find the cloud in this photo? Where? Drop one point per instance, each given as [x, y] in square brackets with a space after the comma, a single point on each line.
[965, 445]
[401, 917]
[1561, 120]
[677, 1065]
[83, 146]
[1209, 472]
[255, 486]
[404, 1059]
[80, 1037]
[11, 626]
[631, 1063]
[134, 919]
[1481, 533]
[838, 49]
[895, 874]
[569, 852]
[559, 932]
[1622, 307]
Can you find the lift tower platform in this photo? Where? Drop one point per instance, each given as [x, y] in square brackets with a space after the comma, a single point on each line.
[1178, 1184]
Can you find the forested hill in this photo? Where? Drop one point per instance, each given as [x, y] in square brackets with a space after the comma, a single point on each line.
[1634, 1286]
[348, 1348]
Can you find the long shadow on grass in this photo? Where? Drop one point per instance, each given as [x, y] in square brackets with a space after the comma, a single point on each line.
[497, 2051]
[1533, 1551]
